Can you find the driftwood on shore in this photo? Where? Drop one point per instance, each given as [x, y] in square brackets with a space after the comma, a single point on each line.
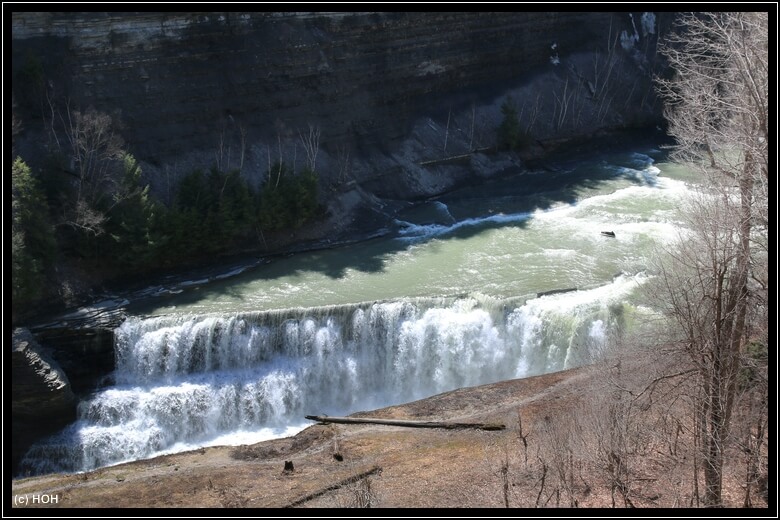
[407, 423]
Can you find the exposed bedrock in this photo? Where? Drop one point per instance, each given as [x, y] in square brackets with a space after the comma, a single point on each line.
[42, 398]
[389, 92]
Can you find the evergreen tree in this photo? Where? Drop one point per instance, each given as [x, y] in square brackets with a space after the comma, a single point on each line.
[509, 131]
[32, 237]
[289, 201]
[132, 231]
[236, 207]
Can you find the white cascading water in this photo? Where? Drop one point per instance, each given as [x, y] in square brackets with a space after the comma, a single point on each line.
[193, 381]
[199, 379]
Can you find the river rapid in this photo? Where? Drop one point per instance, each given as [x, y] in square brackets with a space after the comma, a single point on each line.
[453, 296]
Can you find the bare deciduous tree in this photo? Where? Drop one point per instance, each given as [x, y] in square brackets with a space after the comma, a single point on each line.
[447, 131]
[561, 438]
[95, 146]
[16, 123]
[717, 108]
[311, 145]
[344, 163]
[94, 150]
[471, 131]
[535, 110]
[562, 105]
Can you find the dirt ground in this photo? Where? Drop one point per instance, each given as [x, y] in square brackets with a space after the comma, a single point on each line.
[362, 465]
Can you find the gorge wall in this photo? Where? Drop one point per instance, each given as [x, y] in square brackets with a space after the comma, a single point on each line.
[176, 76]
[239, 87]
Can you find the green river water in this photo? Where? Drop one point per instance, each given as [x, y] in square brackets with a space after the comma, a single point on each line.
[448, 298]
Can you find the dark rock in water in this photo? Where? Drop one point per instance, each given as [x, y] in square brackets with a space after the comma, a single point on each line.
[42, 400]
[608, 233]
[85, 354]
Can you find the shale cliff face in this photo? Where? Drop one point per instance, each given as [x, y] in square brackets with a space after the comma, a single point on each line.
[43, 399]
[182, 82]
[175, 77]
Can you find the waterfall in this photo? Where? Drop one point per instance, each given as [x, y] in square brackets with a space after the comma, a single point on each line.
[188, 381]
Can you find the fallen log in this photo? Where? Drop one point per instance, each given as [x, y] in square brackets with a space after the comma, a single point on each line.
[407, 423]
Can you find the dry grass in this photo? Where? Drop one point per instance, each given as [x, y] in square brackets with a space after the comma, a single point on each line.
[563, 461]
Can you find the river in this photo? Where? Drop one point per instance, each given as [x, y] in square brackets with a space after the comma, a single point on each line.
[450, 298]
